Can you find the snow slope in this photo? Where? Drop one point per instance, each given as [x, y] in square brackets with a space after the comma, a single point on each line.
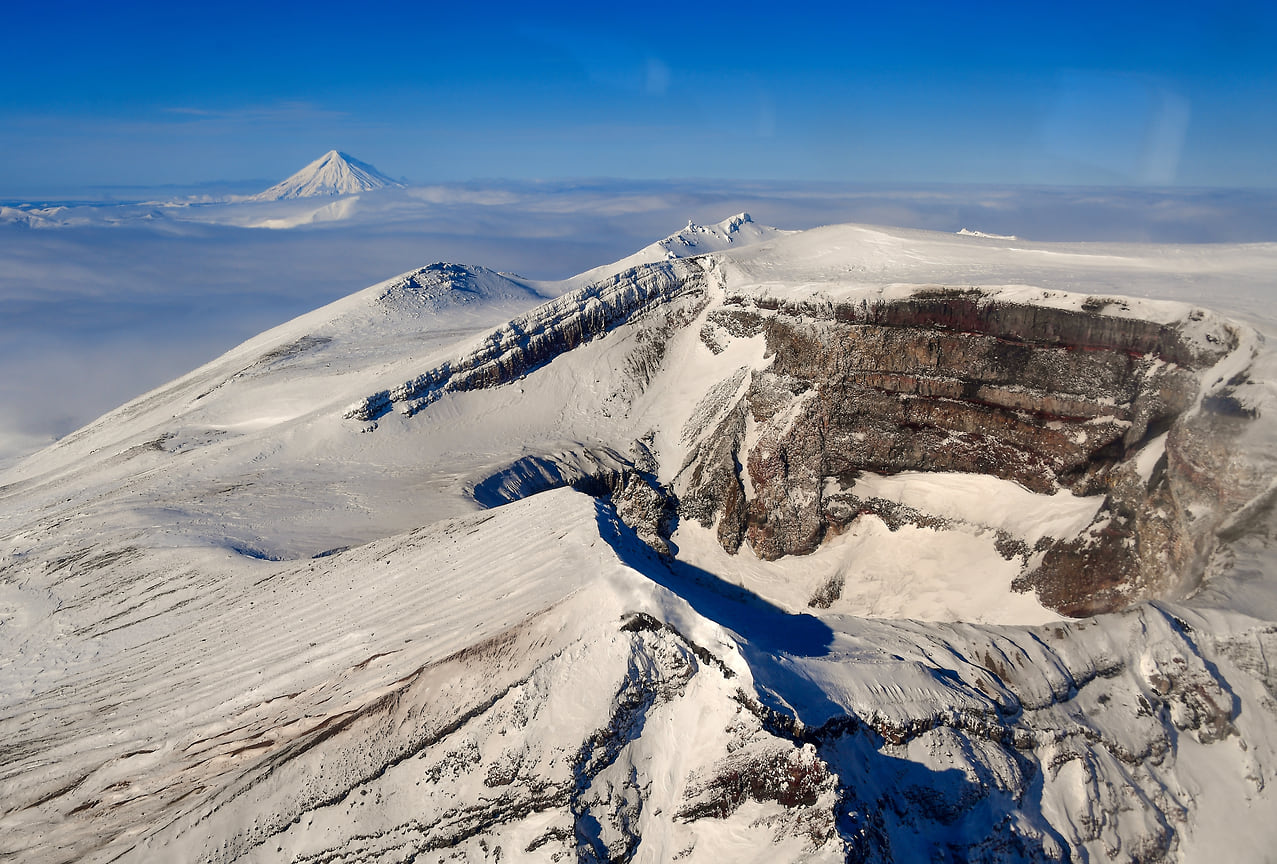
[269, 611]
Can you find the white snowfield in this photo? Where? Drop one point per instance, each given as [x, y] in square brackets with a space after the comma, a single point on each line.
[280, 609]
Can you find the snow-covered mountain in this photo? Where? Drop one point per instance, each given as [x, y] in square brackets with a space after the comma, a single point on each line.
[849, 544]
[332, 174]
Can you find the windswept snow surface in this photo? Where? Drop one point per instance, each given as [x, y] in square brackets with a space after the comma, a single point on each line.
[277, 610]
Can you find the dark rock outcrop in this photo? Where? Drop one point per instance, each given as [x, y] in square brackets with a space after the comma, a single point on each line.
[958, 380]
[639, 499]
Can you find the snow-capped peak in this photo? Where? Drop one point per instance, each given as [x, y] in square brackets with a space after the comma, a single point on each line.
[334, 173]
[733, 231]
[728, 226]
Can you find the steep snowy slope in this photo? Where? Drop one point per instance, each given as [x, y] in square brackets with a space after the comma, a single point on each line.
[331, 174]
[758, 554]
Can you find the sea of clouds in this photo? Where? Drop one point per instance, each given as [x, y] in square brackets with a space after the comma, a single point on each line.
[102, 301]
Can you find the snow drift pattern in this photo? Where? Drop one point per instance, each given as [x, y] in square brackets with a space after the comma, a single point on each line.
[234, 627]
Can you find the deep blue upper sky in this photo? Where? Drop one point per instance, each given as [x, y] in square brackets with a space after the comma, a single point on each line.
[128, 93]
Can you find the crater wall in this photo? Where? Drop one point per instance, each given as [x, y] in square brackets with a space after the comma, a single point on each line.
[1047, 396]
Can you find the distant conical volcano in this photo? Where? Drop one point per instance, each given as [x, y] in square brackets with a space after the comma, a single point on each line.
[333, 173]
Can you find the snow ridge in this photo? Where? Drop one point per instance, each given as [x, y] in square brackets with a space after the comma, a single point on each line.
[536, 338]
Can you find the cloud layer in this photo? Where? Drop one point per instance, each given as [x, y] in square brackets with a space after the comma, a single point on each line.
[128, 297]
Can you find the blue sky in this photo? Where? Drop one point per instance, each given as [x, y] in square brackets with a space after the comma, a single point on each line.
[148, 94]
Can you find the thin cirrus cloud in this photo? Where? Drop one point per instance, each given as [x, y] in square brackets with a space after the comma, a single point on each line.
[285, 112]
[1124, 127]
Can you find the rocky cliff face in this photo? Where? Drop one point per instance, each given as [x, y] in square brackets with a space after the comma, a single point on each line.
[963, 380]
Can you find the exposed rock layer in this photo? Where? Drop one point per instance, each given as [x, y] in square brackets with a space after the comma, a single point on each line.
[535, 339]
[957, 380]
